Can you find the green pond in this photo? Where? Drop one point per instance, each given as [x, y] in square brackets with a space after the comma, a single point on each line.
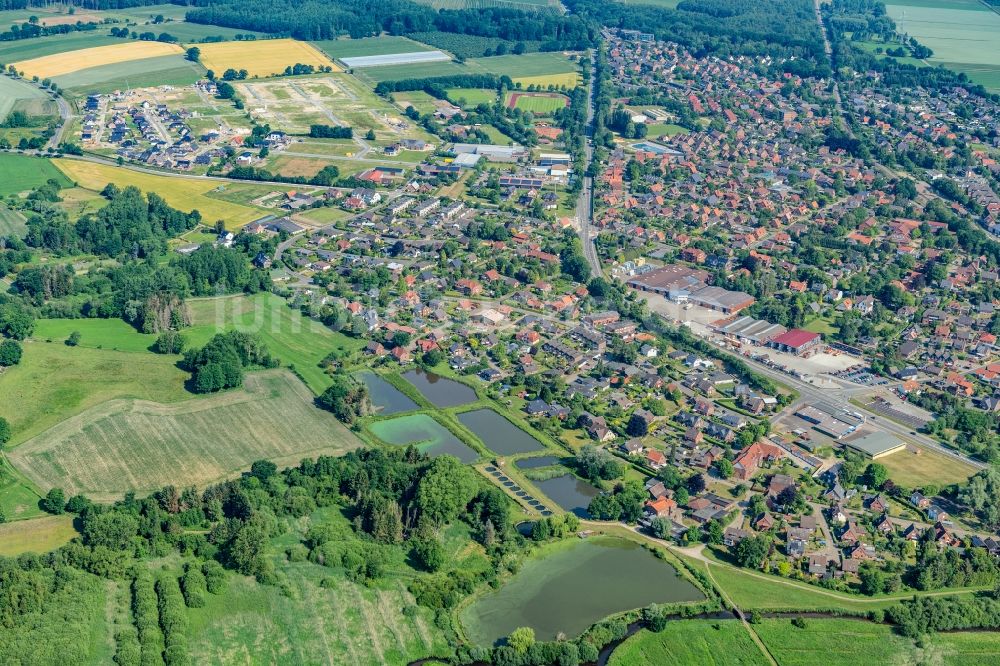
[427, 434]
[441, 391]
[384, 396]
[573, 586]
[500, 435]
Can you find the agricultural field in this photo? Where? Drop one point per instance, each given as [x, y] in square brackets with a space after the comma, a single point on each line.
[184, 193]
[542, 104]
[262, 58]
[477, 4]
[472, 46]
[111, 334]
[296, 340]
[12, 223]
[914, 470]
[17, 500]
[54, 382]
[529, 68]
[691, 643]
[20, 172]
[13, 92]
[123, 445]
[60, 64]
[961, 33]
[169, 70]
[665, 4]
[369, 46]
[27, 49]
[38, 535]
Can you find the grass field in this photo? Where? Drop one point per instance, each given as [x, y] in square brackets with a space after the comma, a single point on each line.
[54, 382]
[183, 193]
[20, 172]
[12, 223]
[528, 68]
[666, 4]
[472, 96]
[834, 642]
[294, 339]
[690, 643]
[172, 70]
[124, 445]
[13, 91]
[540, 104]
[17, 500]
[369, 46]
[262, 58]
[974, 648]
[59, 64]
[38, 535]
[113, 334]
[913, 471]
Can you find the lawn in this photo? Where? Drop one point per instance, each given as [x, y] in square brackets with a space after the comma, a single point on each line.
[262, 58]
[823, 325]
[834, 642]
[915, 470]
[38, 535]
[113, 334]
[473, 96]
[19, 173]
[690, 643]
[128, 444]
[184, 193]
[369, 46]
[59, 64]
[655, 130]
[54, 382]
[296, 340]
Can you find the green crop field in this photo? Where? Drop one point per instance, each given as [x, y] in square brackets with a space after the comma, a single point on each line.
[369, 46]
[294, 339]
[158, 71]
[19, 173]
[124, 445]
[528, 66]
[26, 49]
[690, 643]
[13, 91]
[12, 223]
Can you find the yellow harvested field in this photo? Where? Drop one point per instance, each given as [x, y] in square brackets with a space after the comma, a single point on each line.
[568, 79]
[181, 192]
[262, 58]
[73, 61]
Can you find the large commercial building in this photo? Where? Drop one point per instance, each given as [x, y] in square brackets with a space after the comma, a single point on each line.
[687, 285]
[875, 445]
[797, 341]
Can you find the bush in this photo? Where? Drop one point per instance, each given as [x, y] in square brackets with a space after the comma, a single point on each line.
[127, 650]
[173, 622]
[10, 353]
[215, 577]
[193, 586]
[146, 619]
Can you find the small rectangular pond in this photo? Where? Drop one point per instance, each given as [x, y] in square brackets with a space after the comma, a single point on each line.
[569, 492]
[386, 398]
[440, 391]
[535, 463]
[425, 433]
[500, 435]
[573, 585]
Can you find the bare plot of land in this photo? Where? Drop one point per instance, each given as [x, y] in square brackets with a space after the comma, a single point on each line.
[136, 445]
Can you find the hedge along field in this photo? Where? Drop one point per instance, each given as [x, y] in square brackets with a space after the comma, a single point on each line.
[183, 193]
[59, 64]
[262, 58]
[124, 445]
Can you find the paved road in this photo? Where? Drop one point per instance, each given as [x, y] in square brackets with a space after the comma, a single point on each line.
[585, 202]
[66, 116]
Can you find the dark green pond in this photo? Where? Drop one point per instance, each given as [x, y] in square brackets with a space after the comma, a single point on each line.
[500, 435]
[386, 397]
[574, 586]
[441, 391]
[569, 492]
[427, 434]
[535, 463]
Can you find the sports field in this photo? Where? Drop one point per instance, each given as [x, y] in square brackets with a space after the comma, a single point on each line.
[139, 445]
[369, 46]
[184, 193]
[473, 96]
[20, 172]
[262, 58]
[537, 103]
[59, 64]
[38, 535]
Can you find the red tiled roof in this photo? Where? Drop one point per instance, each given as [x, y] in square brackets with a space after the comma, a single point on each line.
[795, 338]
